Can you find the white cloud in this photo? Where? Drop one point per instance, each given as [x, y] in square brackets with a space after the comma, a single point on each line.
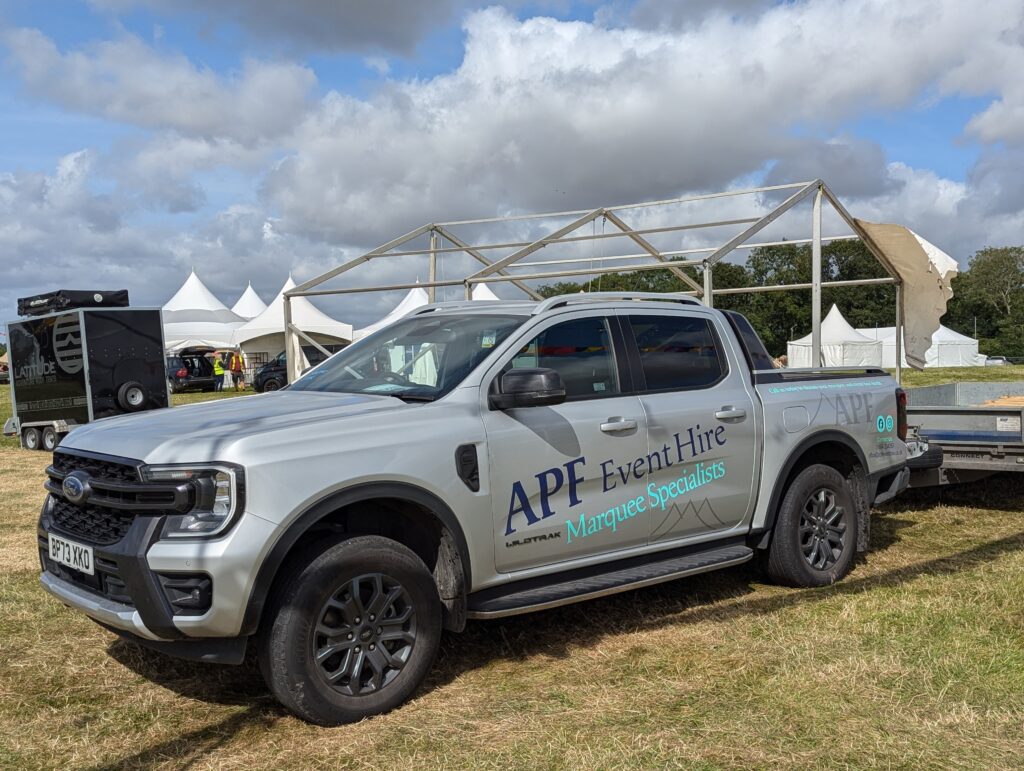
[127, 81]
[539, 115]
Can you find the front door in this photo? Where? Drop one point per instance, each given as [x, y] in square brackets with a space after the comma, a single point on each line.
[562, 481]
[702, 426]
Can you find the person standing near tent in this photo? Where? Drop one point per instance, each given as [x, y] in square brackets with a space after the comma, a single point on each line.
[218, 373]
[235, 365]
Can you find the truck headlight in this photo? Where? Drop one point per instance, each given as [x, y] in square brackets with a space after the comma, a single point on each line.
[218, 495]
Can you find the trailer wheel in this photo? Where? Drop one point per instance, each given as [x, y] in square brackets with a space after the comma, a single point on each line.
[131, 396]
[31, 439]
[50, 439]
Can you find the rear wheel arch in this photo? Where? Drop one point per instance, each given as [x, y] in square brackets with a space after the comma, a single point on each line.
[413, 517]
[830, 448]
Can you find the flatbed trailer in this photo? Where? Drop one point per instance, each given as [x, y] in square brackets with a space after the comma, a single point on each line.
[977, 426]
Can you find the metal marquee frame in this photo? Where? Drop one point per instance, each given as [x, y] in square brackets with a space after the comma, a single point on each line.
[503, 268]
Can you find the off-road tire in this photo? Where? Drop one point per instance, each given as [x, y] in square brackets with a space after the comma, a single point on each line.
[789, 562]
[291, 630]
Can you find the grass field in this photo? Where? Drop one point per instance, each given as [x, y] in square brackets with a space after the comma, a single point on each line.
[915, 660]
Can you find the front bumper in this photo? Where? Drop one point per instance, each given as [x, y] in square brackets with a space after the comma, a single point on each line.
[129, 591]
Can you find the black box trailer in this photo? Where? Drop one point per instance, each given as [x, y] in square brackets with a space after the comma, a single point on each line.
[74, 366]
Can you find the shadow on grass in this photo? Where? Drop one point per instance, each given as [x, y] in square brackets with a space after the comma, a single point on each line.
[194, 746]
[716, 596]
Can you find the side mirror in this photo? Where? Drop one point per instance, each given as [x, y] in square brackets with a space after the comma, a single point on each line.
[307, 369]
[528, 388]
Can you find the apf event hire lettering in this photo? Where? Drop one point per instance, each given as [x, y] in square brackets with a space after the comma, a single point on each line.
[687, 445]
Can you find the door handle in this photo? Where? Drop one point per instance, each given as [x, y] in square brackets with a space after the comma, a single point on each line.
[614, 425]
[729, 412]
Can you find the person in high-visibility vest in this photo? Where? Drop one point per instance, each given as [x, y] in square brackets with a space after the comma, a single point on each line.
[235, 365]
[218, 374]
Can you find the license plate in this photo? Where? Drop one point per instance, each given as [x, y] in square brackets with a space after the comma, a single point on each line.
[74, 555]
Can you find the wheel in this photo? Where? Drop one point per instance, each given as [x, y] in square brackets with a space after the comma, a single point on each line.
[170, 386]
[271, 385]
[352, 633]
[50, 439]
[815, 533]
[131, 396]
[31, 439]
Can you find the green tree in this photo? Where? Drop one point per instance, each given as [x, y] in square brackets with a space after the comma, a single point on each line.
[997, 277]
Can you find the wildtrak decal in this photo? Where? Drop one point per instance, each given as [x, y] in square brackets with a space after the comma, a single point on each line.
[686, 446]
[532, 539]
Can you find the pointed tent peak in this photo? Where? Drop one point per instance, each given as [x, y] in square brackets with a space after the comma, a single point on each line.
[250, 304]
[194, 295]
[835, 327]
[483, 292]
[414, 298]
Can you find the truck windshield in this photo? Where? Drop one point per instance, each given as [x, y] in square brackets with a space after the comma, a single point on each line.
[418, 359]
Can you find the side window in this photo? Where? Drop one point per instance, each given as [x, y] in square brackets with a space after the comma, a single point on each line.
[580, 351]
[677, 352]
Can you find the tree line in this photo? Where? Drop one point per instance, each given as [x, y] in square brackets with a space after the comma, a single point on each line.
[988, 296]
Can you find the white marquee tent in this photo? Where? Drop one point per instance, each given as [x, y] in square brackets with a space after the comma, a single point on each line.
[263, 336]
[416, 298]
[193, 316]
[948, 348]
[841, 346]
[249, 305]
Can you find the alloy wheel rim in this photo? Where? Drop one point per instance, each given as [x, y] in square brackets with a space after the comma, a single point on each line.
[822, 529]
[364, 635]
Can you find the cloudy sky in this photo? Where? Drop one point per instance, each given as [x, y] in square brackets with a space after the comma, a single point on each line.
[250, 138]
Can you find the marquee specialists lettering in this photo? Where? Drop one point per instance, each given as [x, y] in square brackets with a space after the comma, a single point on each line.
[686, 446]
[658, 497]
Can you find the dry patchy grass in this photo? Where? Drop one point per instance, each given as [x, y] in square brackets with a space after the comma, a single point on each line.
[916, 660]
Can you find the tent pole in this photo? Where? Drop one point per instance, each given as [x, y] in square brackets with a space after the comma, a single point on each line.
[899, 334]
[709, 294]
[816, 280]
[293, 367]
[432, 290]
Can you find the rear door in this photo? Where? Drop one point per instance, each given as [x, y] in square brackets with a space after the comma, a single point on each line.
[561, 477]
[703, 432]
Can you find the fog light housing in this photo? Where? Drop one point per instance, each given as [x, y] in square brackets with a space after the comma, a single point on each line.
[188, 594]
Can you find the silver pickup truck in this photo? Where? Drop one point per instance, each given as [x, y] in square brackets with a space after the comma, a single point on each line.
[473, 460]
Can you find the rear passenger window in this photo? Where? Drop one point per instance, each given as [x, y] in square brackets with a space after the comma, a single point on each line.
[580, 351]
[677, 352]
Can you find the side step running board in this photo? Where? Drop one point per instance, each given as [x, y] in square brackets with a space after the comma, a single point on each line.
[586, 584]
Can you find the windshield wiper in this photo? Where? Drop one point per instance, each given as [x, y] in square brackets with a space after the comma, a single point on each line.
[412, 397]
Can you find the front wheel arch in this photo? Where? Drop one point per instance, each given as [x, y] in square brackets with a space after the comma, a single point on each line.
[326, 519]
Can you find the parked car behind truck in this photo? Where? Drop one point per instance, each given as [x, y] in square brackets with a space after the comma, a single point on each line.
[472, 460]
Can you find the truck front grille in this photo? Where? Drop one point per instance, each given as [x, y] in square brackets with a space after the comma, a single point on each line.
[64, 463]
[94, 524]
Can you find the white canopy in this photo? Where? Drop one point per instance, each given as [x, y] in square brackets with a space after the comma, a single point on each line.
[841, 345]
[948, 348]
[249, 305]
[194, 316]
[927, 273]
[265, 333]
[415, 298]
